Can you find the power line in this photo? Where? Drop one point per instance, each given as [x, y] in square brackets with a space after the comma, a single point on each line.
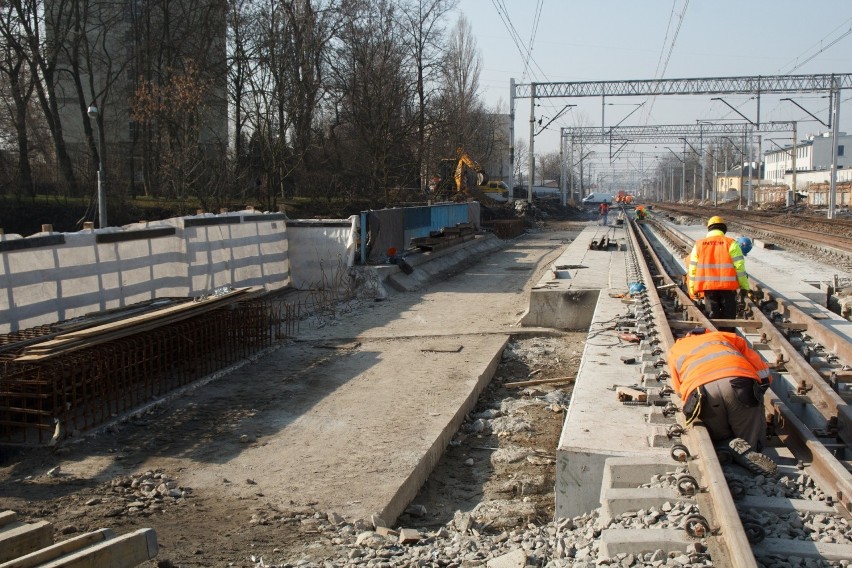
[822, 48]
[503, 12]
[661, 71]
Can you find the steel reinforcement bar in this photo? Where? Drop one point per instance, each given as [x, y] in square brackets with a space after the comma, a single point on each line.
[85, 388]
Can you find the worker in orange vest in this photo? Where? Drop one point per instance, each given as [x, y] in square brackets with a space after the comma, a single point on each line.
[722, 381]
[717, 270]
[604, 210]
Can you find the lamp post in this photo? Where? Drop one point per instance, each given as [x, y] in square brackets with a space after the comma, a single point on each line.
[102, 206]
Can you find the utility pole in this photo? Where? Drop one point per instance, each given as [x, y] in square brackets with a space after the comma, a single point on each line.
[562, 164]
[532, 143]
[571, 167]
[835, 121]
[742, 171]
[703, 159]
[683, 173]
[511, 140]
[791, 197]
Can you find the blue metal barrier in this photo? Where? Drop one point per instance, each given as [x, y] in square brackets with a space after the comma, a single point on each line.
[420, 221]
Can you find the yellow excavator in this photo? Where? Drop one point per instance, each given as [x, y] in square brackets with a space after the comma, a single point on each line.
[460, 178]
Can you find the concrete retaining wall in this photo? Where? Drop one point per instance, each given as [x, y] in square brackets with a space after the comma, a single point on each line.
[50, 277]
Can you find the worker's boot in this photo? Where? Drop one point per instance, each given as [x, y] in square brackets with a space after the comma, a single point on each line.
[755, 462]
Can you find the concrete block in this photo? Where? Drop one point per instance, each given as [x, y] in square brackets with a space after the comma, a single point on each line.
[515, 559]
[409, 536]
[639, 541]
[656, 416]
[659, 438]
[635, 471]
[615, 502]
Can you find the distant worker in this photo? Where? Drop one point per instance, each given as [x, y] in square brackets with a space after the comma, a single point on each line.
[745, 245]
[721, 380]
[604, 210]
[641, 213]
[717, 270]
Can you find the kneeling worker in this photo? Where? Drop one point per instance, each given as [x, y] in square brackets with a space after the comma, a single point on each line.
[721, 381]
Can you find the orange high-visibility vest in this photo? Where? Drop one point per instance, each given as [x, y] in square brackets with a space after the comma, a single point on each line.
[699, 359]
[715, 267]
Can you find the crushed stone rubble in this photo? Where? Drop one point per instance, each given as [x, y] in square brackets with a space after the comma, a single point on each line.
[493, 534]
[464, 541]
[477, 538]
[142, 493]
[804, 526]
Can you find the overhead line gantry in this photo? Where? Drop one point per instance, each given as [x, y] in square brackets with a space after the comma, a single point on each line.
[755, 85]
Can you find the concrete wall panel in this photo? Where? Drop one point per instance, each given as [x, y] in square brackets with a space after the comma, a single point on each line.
[321, 251]
[79, 273]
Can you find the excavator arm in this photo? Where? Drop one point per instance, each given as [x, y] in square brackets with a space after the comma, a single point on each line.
[466, 162]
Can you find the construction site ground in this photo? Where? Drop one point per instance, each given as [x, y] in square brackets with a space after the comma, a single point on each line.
[236, 489]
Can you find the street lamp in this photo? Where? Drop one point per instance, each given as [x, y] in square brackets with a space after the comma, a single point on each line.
[102, 208]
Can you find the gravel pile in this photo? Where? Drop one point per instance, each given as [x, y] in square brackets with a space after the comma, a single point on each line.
[466, 542]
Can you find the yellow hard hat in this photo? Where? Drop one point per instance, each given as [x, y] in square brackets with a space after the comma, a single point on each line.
[715, 220]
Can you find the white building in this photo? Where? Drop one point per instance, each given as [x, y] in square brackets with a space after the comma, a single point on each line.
[813, 160]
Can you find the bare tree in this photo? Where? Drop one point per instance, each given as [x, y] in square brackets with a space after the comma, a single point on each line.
[376, 90]
[34, 19]
[423, 22]
[16, 91]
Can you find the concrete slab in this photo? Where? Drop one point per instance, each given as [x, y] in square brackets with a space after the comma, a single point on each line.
[598, 426]
[803, 549]
[356, 432]
[565, 297]
[639, 541]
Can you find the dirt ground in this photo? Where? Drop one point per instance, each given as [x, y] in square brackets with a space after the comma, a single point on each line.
[133, 474]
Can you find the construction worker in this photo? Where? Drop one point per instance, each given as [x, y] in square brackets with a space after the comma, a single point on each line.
[717, 270]
[640, 213]
[721, 380]
[604, 211]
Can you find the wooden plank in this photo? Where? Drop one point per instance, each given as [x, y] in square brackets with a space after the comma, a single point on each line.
[745, 324]
[539, 382]
[116, 330]
[124, 551]
[17, 539]
[7, 517]
[627, 394]
[60, 549]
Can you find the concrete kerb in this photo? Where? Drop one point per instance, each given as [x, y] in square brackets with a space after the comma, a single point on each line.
[421, 472]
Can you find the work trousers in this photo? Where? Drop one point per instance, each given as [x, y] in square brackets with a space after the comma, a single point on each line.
[721, 304]
[731, 409]
[603, 218]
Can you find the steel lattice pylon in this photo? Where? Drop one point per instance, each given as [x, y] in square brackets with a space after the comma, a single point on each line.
[770, 84]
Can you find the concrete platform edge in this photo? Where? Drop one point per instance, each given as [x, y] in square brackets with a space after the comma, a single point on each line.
[411, 486]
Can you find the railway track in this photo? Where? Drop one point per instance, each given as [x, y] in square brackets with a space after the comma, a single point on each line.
[830, 239]
[802, 516]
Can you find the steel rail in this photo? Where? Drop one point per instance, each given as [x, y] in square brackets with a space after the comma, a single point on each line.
[729, 542]
[828, 471]
[824, 399]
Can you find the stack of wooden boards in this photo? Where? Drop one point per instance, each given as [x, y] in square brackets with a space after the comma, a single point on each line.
[91, 336]
[446, 237]
[27, 545]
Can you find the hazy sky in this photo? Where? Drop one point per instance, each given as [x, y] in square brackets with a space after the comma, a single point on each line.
[601, 40]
